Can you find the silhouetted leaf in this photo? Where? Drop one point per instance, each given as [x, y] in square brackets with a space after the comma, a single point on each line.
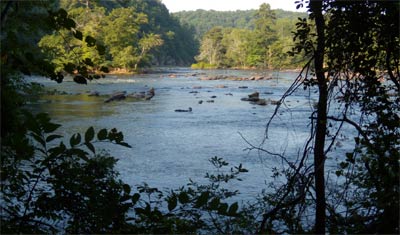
[101, 49]
[104, 69]
[102, 134]
[91, 42]
[127, 188]
[124, 144]
[89, 135]
[90, 147]
[88, 61]
[53, 137]
[183, 197]
[222, 208]
[233, 209]
[135, 198]
[172, 202]
[80, 79]
[50, 127]
[202, 200]
[69, 23]
[214, 203]
[78, 35]
[75, 139]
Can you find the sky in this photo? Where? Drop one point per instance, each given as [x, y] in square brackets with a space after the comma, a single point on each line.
[227, 5]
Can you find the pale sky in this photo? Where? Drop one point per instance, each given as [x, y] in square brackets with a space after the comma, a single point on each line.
[227, 5]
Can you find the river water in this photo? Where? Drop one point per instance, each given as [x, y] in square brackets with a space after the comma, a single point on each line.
[168, 147]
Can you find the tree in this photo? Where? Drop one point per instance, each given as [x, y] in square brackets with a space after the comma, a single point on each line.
[211, 48]
[237, 49]
[264, 34]
[348, 62]
[146, 44]
[121, 32]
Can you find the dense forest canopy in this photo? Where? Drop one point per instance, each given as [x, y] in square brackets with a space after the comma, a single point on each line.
[244, 39]
[203, 20]
[138, 33]
[135, 34]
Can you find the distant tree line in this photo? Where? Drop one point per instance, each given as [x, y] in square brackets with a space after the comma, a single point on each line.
[244, 39]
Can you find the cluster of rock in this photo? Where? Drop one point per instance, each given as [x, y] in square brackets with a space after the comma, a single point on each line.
[233, 78]
[136, 95]
[254, 98]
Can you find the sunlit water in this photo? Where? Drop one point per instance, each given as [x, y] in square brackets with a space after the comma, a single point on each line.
[168, 147]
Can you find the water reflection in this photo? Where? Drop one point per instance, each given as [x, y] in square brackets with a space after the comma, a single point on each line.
[64, 107]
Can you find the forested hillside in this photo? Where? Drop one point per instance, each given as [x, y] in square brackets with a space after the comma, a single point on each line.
[203, 20]
[134, 34]
[244, 39]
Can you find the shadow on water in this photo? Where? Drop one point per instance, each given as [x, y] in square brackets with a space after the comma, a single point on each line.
[65, 107]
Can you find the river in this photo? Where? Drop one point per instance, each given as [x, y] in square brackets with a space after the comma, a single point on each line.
[168, 147]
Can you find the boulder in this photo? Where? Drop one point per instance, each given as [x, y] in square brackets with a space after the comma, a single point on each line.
[183, 110]
[150, 94]
[143, 95]
[116, 97]
[262, 102]
[94, 93]
[254, 95]
[275, 102]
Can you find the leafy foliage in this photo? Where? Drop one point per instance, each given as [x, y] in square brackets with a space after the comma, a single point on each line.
[263, 44]
[123, 27]
[44, 183]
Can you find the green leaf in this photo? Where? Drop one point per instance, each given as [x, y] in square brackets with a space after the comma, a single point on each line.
[91, 42]
[89, 135]
[80, 79]
[53, 137]
[75, 139]
[102, 134]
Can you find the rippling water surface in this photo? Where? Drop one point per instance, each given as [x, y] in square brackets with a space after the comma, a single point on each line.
[169, 147]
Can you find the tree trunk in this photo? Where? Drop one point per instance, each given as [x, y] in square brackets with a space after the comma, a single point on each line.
[321, 125]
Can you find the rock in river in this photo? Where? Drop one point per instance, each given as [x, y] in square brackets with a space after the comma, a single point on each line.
[116, 97]
[184, 110]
